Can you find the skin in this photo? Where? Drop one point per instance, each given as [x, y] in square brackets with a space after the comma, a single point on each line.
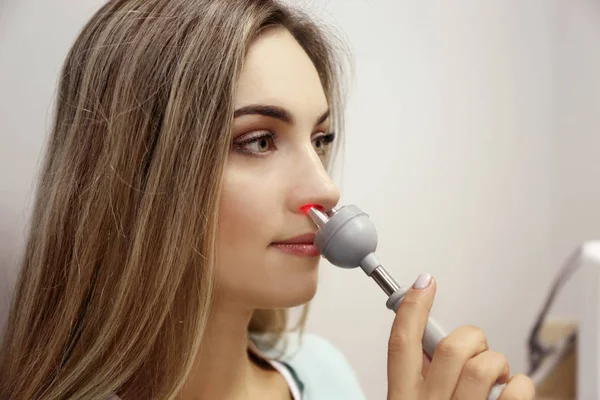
[266, 182]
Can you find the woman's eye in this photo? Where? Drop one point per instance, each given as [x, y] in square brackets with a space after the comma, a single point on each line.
[257, 144]
[322, 142]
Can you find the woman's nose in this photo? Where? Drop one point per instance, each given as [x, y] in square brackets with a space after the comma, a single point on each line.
[313, 186]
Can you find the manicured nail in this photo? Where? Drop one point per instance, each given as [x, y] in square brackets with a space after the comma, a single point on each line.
[422, 281]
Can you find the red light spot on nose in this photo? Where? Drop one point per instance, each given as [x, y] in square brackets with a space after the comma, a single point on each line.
[307, 207]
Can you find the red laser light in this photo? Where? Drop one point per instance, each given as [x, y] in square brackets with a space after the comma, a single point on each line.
[307, 207]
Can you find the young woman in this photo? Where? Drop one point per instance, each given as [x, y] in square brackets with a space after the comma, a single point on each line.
[167, 239]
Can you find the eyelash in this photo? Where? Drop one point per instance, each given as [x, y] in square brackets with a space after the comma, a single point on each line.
[327, 138]
[239, 145]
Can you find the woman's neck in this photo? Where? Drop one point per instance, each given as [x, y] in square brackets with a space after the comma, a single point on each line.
[223, 368]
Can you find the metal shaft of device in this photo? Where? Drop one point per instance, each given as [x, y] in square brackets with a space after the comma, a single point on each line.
[385, 281]
[318, 217]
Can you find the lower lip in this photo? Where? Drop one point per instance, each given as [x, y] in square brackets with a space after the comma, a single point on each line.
[307, 250]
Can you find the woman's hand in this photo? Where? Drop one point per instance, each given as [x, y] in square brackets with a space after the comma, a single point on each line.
[462, 368]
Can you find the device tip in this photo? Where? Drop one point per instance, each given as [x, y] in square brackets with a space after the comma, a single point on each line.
[318, 217]
[307, 207]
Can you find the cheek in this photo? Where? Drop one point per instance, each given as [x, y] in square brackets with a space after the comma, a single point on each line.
[246, 202]
[239, 215]
[247, 223]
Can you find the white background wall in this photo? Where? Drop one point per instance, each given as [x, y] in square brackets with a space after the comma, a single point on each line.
[576, 165]
[472, 142]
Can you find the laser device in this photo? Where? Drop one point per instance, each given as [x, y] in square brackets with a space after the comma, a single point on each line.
[347, 238]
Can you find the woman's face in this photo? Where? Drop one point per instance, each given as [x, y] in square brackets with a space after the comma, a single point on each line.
[280, 139]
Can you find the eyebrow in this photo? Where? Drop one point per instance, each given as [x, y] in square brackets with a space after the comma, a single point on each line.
[276, 112]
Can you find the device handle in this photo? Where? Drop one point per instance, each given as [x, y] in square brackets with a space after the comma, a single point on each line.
[433, 335]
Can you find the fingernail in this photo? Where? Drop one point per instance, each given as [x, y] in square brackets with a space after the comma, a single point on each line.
[422, 281]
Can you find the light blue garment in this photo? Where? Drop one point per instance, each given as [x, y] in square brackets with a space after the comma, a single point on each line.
[321, 368]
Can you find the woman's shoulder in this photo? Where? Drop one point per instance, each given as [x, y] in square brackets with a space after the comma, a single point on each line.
[321, 366]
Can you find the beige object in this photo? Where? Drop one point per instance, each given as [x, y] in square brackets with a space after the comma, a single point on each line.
[561, 383]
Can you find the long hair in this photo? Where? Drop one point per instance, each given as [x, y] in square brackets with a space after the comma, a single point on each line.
[116, 283]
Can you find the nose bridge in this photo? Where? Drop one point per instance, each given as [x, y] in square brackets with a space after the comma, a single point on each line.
[313, 184]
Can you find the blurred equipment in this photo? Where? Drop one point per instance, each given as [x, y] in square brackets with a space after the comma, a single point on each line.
[564, 355]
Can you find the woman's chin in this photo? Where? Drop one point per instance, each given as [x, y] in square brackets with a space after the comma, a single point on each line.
[299, 298]
[291, 293]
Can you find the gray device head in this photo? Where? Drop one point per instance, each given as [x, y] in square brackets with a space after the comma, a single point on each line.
[347, 237]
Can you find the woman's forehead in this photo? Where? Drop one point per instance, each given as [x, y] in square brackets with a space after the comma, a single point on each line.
[278, 71]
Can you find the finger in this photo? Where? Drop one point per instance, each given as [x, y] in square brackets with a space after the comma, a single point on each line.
[405, 351]
[479, 374]
[520, 387]
[426, 364]
[449, 358]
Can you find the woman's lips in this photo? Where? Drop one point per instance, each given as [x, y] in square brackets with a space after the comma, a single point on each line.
[308, 250]
[301, 245]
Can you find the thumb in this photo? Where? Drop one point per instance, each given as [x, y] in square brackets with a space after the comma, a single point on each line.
[405, 351]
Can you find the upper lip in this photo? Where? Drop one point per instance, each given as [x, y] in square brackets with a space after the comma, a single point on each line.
[306, 238]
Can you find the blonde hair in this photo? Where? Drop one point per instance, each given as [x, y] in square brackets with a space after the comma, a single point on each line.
[116, 283]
